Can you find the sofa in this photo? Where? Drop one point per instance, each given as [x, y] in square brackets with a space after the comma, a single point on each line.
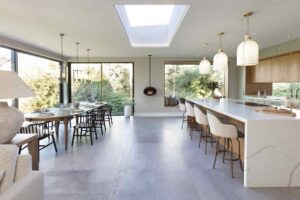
[17, 180]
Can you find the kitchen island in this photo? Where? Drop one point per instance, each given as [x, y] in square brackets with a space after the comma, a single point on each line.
[271, 144]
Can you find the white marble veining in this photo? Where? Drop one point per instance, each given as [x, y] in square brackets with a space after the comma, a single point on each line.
[272, 144]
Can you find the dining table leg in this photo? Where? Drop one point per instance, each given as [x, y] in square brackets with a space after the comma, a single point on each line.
[66, 133]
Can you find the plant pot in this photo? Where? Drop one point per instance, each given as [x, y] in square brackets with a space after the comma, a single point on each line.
[127, 110]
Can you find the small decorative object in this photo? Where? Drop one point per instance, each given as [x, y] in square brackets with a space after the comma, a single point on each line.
[247, 51]
[11, 119]
[150, 91]
[128, 108]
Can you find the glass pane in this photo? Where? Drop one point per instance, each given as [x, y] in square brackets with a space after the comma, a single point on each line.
[117, 85]
[42, 76]
[5, 64]
[286, 89]
[185, 81]
[86, 82]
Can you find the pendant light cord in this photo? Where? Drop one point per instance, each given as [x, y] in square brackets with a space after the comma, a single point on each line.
[247, 25]
[220, 41]
[77, 45]
[150, 70]
[88, 55]
[62, 56]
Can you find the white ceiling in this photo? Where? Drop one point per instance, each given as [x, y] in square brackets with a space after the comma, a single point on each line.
[95, 24]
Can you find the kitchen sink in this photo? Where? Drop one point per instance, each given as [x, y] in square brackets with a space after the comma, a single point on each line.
[252, 104]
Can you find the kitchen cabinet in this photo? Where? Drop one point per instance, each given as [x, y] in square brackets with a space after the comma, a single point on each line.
[263, 72]
[280, 69]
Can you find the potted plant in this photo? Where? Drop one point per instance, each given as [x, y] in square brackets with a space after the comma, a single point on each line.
[128, 107]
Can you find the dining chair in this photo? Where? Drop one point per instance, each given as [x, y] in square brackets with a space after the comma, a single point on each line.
[85, 127]
[44, 130]
[182, 108]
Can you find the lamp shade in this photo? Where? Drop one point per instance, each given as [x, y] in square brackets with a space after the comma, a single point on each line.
[220, 62]
[204, 67]
[247, 52]
[12, 86]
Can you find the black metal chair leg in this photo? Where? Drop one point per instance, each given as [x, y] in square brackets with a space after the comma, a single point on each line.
[231, 153]
[96, 133]
[74, 132]
[224, 150]
[20, 149]
[205, 143]
[217, 151]
[91, 136]
[241, 165]
[54, 143]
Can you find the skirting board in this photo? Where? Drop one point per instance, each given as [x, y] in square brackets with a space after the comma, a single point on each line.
[166, 114]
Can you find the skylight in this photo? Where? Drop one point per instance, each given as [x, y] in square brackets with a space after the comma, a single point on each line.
[149, 15]
[151, 25]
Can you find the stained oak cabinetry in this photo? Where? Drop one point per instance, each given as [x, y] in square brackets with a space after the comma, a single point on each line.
[278, 69]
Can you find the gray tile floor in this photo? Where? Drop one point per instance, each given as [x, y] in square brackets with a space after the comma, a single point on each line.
[145, 158]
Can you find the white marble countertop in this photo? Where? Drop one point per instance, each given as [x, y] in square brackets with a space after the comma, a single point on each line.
[241, 112]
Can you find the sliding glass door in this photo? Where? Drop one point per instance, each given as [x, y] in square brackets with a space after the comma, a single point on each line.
[109, 82]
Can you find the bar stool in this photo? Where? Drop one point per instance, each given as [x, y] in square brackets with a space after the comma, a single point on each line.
[228, 132]
[202, 120]
[190, 114]
[183, 110]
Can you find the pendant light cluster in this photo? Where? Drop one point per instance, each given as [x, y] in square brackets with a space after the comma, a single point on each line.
[247, 53]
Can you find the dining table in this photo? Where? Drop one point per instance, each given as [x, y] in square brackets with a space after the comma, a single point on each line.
[63, 114]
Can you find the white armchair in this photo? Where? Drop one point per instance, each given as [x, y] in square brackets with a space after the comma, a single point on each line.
[17, 180]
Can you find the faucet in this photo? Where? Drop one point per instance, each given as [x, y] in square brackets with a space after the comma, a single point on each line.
[297, 93]
[291, 95]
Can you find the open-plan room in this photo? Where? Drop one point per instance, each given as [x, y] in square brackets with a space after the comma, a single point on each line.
[149, 100]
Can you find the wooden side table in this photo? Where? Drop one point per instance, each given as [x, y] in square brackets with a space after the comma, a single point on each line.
[33, 146]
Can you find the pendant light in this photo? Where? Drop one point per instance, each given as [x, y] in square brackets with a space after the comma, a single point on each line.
[248, 50]
[220, 62]
[204, 66]
[150, 91]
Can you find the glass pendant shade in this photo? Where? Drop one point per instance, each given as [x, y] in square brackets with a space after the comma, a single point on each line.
[247, 52]
[204, 67]
[220, 62]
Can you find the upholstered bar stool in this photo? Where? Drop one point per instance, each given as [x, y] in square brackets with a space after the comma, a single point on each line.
[183, 110]
[190, 114]
[229, 132]
[202, 120]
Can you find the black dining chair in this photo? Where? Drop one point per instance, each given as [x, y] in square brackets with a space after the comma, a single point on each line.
[44, 130]
[86, 126]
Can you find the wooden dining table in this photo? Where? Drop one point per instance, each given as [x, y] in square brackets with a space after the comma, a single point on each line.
[64, 115]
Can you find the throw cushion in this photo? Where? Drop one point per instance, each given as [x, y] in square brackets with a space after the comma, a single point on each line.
[8, 160]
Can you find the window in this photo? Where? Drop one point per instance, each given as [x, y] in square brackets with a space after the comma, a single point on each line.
[285, 89]
[6, 64]
[109, 82]
[183, 80]
[42, 76]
